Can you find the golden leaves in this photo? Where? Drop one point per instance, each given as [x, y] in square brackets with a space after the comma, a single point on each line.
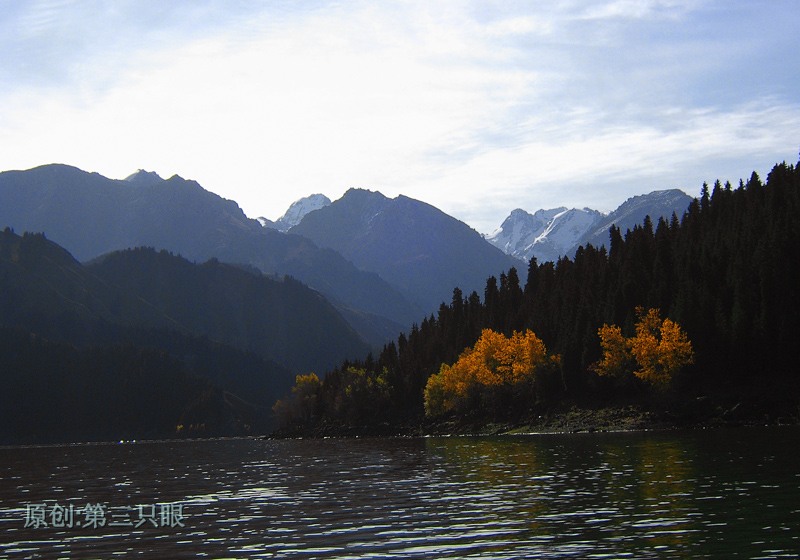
[495, 360]
[658, 350]
[616, 353]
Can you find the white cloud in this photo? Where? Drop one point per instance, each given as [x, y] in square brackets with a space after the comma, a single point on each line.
[605, 167]
[639, 9]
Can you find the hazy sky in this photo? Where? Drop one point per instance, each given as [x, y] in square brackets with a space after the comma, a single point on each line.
[475, 107]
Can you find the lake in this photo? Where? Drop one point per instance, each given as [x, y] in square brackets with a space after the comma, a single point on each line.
[726, 493]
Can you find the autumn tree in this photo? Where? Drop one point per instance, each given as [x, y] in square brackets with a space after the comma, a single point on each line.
[617, 359]
[299, 407]
[655, 354]
[495, 363]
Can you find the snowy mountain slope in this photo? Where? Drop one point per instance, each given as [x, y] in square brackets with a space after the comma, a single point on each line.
[545, 234]
[520, 230]
[562, 233]
[297, 211]
[550, 234]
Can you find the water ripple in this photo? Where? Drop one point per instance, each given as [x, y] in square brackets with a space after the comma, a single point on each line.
[581, 496]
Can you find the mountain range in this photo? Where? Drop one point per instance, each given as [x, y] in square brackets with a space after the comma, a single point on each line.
[551, 234]
[240, 305]
[383, 263]
[90, 215]
[547, 234]
[418, 248]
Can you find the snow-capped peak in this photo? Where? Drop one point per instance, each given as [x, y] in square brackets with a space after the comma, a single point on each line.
[521, 229]
[550, 234]
[299, 209]
[545, 234]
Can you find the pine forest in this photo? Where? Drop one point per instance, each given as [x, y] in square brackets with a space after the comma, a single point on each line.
[695, 316]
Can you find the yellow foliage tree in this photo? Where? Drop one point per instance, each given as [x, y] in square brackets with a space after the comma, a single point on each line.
[299, 407]
[658, 350]
[617, 359]
[494, 361]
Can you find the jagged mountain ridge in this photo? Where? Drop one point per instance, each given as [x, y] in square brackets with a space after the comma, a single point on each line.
[90, 215]
[551, 234]
[545, 234]
[297, 210]
[519, 231]
[632, 212]
[142, 177]
[415, 246]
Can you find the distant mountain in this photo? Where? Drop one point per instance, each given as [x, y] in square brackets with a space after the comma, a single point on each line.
[546, 234]
[413, 245]
[551, 234]
[657, 204]
[297, 211]
[517, 234]
[90, 215]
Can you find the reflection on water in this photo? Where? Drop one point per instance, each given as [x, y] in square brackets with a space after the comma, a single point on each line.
[733, 493]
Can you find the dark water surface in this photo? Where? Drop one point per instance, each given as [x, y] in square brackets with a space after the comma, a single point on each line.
[722, 493]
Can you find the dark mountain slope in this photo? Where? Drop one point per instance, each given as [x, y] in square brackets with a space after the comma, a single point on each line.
[283, 320]
[418, 248]
[91, 215]
[46, 291]
[54, 392]
[91, 345]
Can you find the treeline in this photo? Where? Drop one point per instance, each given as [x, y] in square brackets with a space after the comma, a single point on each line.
[725, 272]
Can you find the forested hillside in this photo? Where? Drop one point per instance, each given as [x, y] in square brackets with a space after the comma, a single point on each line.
[724, 275]
[142, 342]
[55, 392]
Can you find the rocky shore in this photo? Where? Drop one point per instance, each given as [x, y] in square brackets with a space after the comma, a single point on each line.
[569, 418]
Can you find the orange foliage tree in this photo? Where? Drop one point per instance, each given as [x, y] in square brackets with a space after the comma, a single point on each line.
[494, 361]
[655, 354]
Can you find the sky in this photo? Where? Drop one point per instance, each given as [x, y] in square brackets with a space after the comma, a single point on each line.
[475, 107]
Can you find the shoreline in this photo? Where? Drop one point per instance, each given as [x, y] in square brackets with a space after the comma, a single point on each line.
[567, 419]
